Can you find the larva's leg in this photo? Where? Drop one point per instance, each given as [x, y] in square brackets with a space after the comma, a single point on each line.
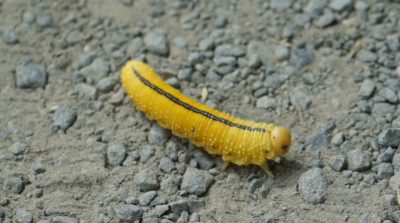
[225, 165]
[266, 169]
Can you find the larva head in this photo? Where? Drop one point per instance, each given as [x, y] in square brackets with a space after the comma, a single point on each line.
[280, 140]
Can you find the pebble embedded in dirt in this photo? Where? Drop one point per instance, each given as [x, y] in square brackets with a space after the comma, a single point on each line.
[146, 180]
[358, 160]
[128, 212]
[338, 162]
[116, 154]
[313, 186]
[30, 74]
[63, 118]
[196, 181]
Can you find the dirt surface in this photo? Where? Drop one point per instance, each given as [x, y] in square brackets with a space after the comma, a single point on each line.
[73, 148]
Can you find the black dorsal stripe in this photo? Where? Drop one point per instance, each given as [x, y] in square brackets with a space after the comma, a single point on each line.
[193, 109]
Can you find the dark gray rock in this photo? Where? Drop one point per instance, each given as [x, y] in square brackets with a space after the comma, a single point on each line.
[158, 135]
[396, 161]
[260, 50]
[326, 20]
[107, 84]
[14, 185]
[45, 21]
[340, 5]
[321, 139]
[64, 219]
[156, 43]
[177, 207]
[196, 181]
[358, 161]
[9, 36]
[367, 88]
[128, 213]
[30, 74]
[116, 154]
[204, 162]
[38, 168]
[385, 170]
[221, 22]
[266, 102]
[381, 110]
[315, 7]
[389, 95]
[146, 198]
[23, 216]
[146, 180]
[313, 186]
[338, 162]
[166, 165]
[393, 42]
[160, 210]
[18, 148]
[63, 118]
[146, 153]
[302, 57]
[367, 56]
[170, 184]
[206, 44]
[389, 137]
[337, 139]
[28, 18]
[387, 156]
[228, 51]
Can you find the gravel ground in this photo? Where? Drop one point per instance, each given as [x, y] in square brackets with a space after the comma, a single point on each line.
[74, 149]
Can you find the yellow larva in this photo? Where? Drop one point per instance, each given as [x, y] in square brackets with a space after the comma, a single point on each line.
[239, 141]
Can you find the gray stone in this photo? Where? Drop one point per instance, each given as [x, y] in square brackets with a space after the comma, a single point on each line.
[184, 217]
[337, 139]
[177, 207]
[97, 69]
[315, 7]
[30, 74]
[254, 61]
[389, 95]
[74, 37]
[63, 118]
[281, 4]
[128, 212]
[225, 61]
[28, 18]
[64, 219]
[367, 88]
[146, 180]
[389, 137]
[367, 56]
[180, 42]
[358, 161]
[196, 181]
[301, 96]
[146, 153]
[259, 49]
[387, 156]
[385, 170]
[160, 210]
[14, 185]
[206, 44]
[37, 193]
[166, 165]
[228, 51]
[38, 168]
[381, 110]
[396, 161]
[133, 48]
[204, 162]
[266, 102]
[321, 139]
[302, 57]
[158, 135]
[23, 216]
[116, 154]
[338, 162]
[18, 148]
[281, 53]
[340, 5]
[393, 42]
[272, 81]
[156, 43]
[221, 22]
[394, 181]
[170, 184]
[107, 84]
[146, 198]
[45, 21]
[313, 186]
[326, 20]
[86, 59]
[195, 58]
[9, 36]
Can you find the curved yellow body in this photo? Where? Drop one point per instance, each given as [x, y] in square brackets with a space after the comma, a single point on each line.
[238, 141]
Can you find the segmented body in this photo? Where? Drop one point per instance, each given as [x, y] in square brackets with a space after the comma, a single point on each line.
[239, 141]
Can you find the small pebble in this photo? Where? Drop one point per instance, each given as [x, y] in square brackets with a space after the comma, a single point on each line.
[156, 43]
[166, 165]
[9, 36]
[340, 5]
[177, 207]
[313, 186]
[389, 137]
[367, 88]
[358, 161]
[116, 154]
[146, 153]
[387, 156]
[146, 198]
[196, 181]
[266, 102]
[146, 180]
[338, 162]
[14, 185]
[158, 135]
[63, 118]
[385, 170]
[23, 216]
[30, 74]
[128, 212]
